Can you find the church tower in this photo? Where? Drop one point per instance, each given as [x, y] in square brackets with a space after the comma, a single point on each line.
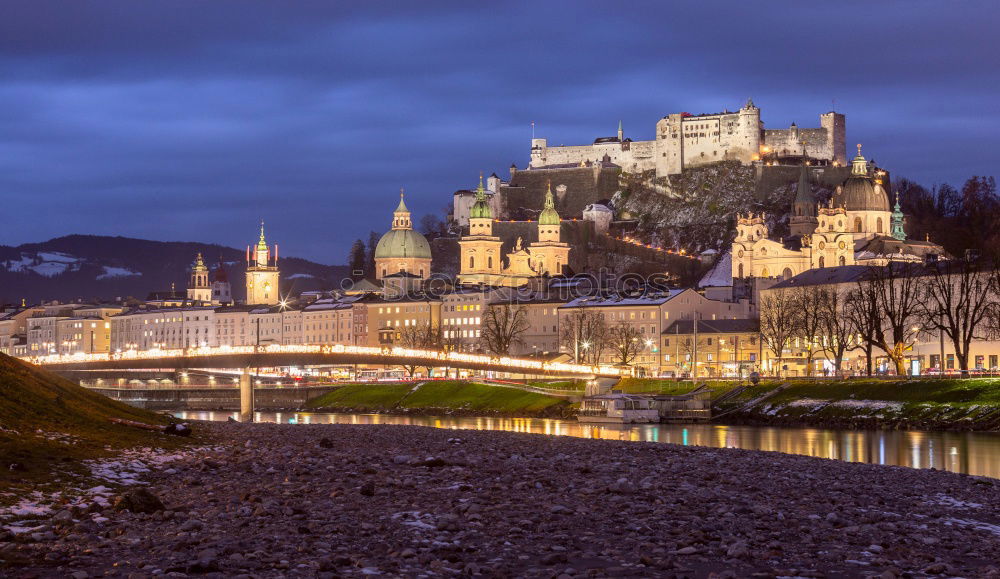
[480, 250]
[898, 232]
[803, 221]
[199, 289]
[262, 273]
[549, 254]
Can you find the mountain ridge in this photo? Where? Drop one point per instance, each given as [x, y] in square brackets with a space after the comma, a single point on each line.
[91, 267]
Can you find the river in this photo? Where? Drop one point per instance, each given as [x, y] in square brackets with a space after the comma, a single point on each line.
[975, 453]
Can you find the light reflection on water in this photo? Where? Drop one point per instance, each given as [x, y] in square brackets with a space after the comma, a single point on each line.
[966, 452]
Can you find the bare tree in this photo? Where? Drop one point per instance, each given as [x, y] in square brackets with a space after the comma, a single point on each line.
[862, 312]
[960, 299]
[584, 333]
[623, 339]
[503, 326]
[777, 321]
[898, 295]
[420, 337]
[838, 330]
[808, 320]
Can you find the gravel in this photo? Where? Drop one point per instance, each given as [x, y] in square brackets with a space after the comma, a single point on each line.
[344, 500]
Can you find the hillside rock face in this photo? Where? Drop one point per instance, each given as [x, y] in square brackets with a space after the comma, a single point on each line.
[697, 210]
[88, 267]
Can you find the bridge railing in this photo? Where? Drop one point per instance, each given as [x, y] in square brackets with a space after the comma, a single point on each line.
[380, 355]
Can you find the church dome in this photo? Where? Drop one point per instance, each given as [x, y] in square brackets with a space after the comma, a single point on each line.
[549, 216]
[400, 243]
[481, 208]
[860, 192]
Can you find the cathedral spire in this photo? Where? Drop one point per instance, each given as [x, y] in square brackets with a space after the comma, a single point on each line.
[481, 208]
[262, 242]
[401, 216]
[548, 216]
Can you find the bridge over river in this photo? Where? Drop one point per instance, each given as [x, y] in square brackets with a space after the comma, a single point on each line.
[274, 356]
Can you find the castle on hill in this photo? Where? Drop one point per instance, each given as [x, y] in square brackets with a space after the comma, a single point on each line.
[685, 140]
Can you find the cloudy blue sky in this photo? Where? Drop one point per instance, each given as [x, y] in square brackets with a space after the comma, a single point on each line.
[192, 120]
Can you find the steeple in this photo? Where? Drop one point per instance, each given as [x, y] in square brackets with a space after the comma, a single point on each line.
[481, 208]
[401, 216]
[897, 231]
[803, 220]
[859, 166]
[549, 216]
[621, 134]
[198, 289]
[262, 255]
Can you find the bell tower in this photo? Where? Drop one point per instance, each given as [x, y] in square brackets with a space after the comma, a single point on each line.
[549, 254]
[480, 249]
[262, 273]
[199, 289]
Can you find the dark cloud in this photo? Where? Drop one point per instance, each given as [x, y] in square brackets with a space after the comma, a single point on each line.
[191, 120]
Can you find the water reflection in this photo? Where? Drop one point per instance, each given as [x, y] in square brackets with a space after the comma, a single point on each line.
[972, 453]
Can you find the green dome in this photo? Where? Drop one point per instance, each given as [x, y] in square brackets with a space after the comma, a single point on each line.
[480, 209]
[399, 243]
[549, 216]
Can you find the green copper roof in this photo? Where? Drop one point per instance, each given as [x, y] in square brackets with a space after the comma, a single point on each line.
[401, 208]
[897, 230]
[480, 209]
[549, 216]
[262, 243]
[400, 243]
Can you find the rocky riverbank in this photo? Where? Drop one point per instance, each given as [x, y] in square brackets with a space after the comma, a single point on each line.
[344, 500]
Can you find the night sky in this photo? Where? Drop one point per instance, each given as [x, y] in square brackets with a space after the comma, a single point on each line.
[192, 120]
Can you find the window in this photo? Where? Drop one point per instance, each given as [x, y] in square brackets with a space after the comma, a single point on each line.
[822, 261]
[489, 262]
[842, 261]
[472, 262]
[857, 225]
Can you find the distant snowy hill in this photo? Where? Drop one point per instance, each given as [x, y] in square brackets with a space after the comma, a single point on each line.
[97, 267]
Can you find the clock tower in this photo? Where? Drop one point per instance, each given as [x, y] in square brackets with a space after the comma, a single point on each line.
[262, 273]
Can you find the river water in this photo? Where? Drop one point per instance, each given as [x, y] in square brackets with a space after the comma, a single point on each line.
[965, 452]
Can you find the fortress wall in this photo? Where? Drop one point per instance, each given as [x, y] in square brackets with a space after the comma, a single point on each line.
[819, 143]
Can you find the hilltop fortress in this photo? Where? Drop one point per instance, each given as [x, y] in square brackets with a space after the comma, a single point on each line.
[686, 140]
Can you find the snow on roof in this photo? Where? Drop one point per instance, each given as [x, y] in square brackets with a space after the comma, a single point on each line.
[721, 274]
[653, 299]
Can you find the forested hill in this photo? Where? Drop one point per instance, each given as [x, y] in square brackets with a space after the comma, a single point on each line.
[92, 267]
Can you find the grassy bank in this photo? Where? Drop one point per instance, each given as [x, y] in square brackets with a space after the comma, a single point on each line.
[955, 404]
[49, 425]
[440, 396]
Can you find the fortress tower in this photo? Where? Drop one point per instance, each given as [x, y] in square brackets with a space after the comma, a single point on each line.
[262, 273]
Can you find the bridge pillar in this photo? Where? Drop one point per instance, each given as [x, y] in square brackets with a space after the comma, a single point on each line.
[246, 396]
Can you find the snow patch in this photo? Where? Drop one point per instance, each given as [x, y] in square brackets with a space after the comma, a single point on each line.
[113, 272]
[721, 274]
[978, 525]
[943, 499]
